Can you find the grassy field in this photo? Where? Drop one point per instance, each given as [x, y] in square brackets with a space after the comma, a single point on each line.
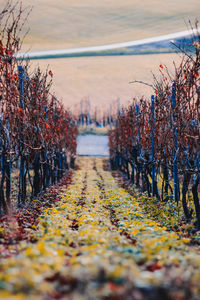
[65, 24]
[103, 79]
[92, 130]
[62, 23]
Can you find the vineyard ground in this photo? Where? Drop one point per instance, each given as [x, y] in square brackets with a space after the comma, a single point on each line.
[97, 242]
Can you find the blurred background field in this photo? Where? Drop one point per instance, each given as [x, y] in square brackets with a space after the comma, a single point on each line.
[93, 130]
[67, 24]
[103, 80]
[82, 23]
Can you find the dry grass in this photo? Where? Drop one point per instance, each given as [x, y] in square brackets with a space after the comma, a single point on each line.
[69, 23]
[103, 79]
[84, 130]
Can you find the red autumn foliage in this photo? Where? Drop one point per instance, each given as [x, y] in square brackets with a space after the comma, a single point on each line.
[35, 128]
[131, 139]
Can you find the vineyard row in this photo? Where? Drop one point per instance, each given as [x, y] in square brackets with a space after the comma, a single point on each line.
[37, 134]
[157, 143]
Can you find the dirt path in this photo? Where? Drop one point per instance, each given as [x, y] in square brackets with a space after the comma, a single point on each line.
[97, 243]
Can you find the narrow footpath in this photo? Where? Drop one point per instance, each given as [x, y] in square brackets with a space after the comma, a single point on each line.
[98, 243]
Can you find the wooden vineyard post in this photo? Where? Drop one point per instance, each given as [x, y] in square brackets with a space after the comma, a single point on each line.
[138, 130]
[119, 107]
[95, 116]
[2, 197]
[8, 167]
[152, 144]
[110, 117]
[82, 120]
[45, 166]
[89, 118]
[139, 145]
[21, 193]
[198, 165]
[175, 147]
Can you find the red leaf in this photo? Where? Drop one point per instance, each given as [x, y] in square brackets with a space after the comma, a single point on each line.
[50, 73]
[20, 110]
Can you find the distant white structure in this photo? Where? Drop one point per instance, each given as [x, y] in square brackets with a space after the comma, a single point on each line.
[100, 49]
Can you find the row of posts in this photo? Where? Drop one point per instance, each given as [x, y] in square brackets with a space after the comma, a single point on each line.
[175, 145]
[59, 161]
[89, 119]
